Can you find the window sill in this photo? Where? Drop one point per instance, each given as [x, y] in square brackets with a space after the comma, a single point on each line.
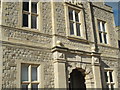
[106, 45]
[77, 38]
[103, 44]
[32, 29]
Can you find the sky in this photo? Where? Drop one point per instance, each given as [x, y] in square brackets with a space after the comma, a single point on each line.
[116, 10]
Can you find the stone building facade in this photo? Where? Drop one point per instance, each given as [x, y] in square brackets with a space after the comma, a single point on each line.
[58, 45]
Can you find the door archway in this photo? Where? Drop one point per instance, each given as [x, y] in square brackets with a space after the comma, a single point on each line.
[77, 80]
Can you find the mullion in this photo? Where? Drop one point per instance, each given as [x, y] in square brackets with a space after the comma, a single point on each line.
[30, 13]
[74, 24]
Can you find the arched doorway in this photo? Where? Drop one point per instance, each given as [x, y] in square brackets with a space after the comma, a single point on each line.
[77, 80]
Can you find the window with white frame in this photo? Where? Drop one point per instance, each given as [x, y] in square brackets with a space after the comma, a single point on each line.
[109, 79]
[30, 14]
[102, 32]
[74, 22]
[30, 76]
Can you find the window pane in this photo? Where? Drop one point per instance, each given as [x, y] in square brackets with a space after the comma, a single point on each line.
[24, 72]
[100, 36]
[70, 14]
[34, 73]
[71, 28]
[105, 38]
[77, 16]
[78, 29]
[25, 86]
[26, 6]
[112, 87]
[107, 87]
[34, 86]
[119, 43]
[99, 28]
[111, 79]
[106, 77]
[103, 25]
[33, 21]
[34, 7]
[25, 20]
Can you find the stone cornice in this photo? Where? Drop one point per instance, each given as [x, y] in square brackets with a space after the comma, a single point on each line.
[7, 43]
[80, 52]
[25, 29]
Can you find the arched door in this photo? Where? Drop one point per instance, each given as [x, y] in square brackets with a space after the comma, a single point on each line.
[77, 80]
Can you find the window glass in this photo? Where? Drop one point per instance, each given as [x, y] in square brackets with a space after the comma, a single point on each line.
[119, 43]
[24, 72]
[111, 79]
[103, 26]
[105, 38]
[78, 29]
[25, 86]
[34, 73]
[77, 16]
[26, 6]
[33, 21]
[25, 20]
[71, 28]
[106, 77]
[70, 14]
[100, 36]
[99, 28]
[34, 86]
[34, 7]
[112, 87]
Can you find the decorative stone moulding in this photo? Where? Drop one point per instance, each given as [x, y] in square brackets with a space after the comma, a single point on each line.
[58, 55]
[75, 2]
[95, 61]
[85, 70]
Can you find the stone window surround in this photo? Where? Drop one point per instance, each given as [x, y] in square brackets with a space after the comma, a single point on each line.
[38, 17]
[83, 32]
[40, 73]
[108, 77]
[31, 82]
[106, 25]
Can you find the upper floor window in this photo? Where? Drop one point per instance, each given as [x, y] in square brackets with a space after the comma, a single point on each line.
[30, 76]
[109, 79]
[74, 22]
[102, 32]
[30, 15]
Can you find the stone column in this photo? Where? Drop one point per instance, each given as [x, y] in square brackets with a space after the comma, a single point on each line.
[59, 70]
[96, 72]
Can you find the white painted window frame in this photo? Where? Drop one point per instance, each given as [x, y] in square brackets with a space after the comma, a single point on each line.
[30, 82]
[82, 22]
[109, 83]
[30, 13]
[74, 21]
[103, 32]
[40, 75]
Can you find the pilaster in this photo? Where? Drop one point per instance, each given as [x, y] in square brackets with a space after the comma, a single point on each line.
[59, 67]
[96, 70]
